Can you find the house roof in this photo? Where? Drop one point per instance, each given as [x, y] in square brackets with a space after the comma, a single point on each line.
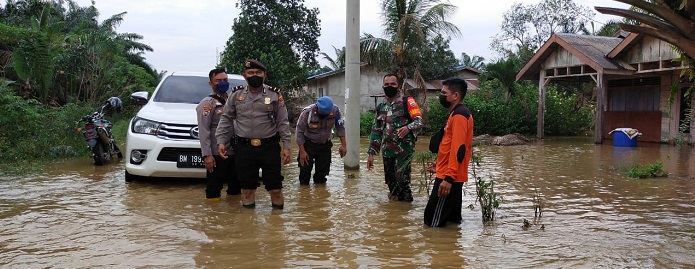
[591, 50]
[465, 67]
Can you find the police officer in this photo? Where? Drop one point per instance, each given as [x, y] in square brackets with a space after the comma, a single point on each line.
[255, 117]
[314, 132]
[396, 121]
[209, 111]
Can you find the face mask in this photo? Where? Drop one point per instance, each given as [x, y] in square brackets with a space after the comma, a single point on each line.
[390, 91]
[442, 100]
[255, 81]
[222, 86]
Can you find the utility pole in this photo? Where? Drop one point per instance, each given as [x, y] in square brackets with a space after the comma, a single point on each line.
[352, 85]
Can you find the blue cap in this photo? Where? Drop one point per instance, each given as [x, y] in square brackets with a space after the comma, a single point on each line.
[325, 105]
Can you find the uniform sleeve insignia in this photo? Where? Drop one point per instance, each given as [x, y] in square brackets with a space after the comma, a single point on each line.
[206, 110]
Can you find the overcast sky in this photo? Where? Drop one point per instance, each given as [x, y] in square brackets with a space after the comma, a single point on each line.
[187, 35]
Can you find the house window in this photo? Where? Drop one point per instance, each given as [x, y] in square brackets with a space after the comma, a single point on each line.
[640, 94]
[320, 92]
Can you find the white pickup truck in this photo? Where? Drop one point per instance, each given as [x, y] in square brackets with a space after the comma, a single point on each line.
[162, 140]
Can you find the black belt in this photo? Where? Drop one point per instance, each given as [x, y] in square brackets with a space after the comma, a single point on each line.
[257, 142]
[316, 142]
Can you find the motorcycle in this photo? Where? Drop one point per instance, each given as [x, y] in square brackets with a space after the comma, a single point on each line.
[97, 132]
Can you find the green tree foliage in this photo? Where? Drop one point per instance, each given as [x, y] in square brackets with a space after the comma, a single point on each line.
[437, 59]
[281, 34]
[408, 26]
[477, 62]
[492, 116]
[525, 28]
[36, 53]
[504, 72]
[65, 55]
[339, 61]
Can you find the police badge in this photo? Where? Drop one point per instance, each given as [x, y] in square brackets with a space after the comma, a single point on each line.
[267, 100]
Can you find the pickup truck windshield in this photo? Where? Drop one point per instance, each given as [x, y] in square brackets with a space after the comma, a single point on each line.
[187, 89]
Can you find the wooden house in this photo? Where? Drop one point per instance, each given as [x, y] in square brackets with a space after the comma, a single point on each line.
[633, 76]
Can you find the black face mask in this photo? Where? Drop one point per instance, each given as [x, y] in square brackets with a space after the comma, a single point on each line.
[442, 100]
[255, 81]
[390, 91]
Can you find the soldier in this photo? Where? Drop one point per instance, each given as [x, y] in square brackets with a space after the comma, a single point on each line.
[256, 119]
[209, 111]
[453, 156]
[314, 131]
[396, 123]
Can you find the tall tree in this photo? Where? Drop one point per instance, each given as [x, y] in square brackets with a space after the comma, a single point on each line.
[408, 25]
[525, 28]
[282, 34]
[437, 59]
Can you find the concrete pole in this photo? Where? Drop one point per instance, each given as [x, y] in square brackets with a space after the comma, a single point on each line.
[352, 85]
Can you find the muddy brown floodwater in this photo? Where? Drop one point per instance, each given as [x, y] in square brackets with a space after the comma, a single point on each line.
[75, 215]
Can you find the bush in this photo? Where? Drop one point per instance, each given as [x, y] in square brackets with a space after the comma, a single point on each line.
[366, 121]
[34, 133]
[492, 116]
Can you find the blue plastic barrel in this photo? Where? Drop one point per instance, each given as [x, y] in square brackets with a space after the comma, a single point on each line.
[622, 139]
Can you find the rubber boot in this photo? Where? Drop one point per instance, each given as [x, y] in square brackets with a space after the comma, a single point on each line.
[276, 198]
[248, 198]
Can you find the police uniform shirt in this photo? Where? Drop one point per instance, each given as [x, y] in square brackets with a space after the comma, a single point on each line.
[255, 115]
[314, 127]
[209, 111]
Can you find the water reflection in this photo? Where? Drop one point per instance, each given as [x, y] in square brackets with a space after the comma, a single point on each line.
[78, 215]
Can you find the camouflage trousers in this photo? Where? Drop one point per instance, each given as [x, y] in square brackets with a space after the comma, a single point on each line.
[397, 175]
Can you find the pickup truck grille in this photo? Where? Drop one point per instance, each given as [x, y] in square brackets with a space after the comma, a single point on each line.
[178, 131]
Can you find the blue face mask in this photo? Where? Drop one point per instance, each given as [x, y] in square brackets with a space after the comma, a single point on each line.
[222, 86]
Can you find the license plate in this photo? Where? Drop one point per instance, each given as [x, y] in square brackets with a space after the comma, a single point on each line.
[190, 161]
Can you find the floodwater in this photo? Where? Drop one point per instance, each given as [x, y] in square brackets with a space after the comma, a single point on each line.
[75, 215]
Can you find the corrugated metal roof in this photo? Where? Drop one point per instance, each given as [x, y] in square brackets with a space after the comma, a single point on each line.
[594, 47]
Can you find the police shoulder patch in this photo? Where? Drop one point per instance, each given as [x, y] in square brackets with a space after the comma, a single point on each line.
[236, 88]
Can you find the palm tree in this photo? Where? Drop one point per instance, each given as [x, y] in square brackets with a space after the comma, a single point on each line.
[408, 24]
[668, 20]
[339, 61]
[476, 61]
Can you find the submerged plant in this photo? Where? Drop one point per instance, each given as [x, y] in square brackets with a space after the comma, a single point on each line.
[422, 161]
[488, 199]
[538, 204]
[647, 171]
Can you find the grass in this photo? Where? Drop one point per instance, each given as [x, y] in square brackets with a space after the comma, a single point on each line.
[650, 170]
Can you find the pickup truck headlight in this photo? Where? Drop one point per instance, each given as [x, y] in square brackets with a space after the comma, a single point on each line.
[143, 126]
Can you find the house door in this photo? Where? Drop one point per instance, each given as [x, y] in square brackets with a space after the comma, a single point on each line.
[685, 112]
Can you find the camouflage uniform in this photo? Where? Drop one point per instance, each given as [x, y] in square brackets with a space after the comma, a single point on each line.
[209, 111]
[256, 123]
[397, 152]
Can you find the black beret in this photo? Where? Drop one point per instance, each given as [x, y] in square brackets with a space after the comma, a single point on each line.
[253, 64]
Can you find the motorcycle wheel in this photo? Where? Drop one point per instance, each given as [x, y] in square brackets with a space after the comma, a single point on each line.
[98, 154]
